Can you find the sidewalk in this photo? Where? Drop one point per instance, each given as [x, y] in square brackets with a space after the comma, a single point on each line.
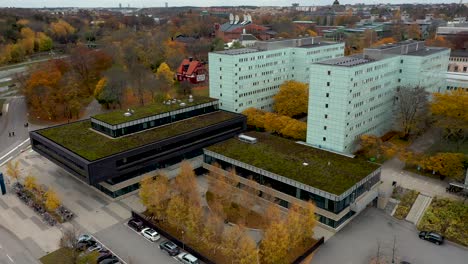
[93, 210]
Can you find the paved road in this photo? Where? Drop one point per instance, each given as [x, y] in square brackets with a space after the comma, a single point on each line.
[12, 250]
[132, 247]
[13, 120]
[357, 242]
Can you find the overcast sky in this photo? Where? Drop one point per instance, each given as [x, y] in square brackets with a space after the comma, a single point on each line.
[159, 3]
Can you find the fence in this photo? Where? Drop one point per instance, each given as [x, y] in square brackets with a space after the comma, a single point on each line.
[309, 251]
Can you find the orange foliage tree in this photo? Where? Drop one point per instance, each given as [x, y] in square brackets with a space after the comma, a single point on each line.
[292, 98]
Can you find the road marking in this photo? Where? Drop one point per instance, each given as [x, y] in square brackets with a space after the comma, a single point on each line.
[9, 258]
[11, 151]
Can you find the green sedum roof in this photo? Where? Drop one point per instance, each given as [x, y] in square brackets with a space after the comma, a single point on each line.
[117, 117]
[326, 171]
[79, 138]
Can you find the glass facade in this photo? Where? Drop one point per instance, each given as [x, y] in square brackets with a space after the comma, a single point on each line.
[321, 202]
[147, 123]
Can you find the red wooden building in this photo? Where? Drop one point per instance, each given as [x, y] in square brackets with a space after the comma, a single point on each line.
[191, 70]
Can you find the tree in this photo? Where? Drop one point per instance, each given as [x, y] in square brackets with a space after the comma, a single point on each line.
[447, 164]
[154, 194]
[295, 129]
[411, 109]
[186, 184]
[30, 183]
[52, 200]
[439, 41]
[193, 221]
[62, 30]
[275, 123]
[384, 41]
[177, 212]
[413, 32]
[165, 78]
[275, 244]
[212, 232]
[255, 117]
[13, 170]
[311, 33]
[273, 214]
[292, 98]
[247, 250]
[450, 111]
[231, 237]
[44, 43]
[69, 240]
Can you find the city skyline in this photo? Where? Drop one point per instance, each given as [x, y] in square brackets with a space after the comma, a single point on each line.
[161, 3]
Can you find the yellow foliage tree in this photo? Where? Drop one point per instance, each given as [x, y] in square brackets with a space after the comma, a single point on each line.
[255, 117]
[295, 129]
[447, 164]
[30, 183]
[52, 200]
[5, 54]
[61, 28]
[100, 87]
[165, 77]
[44, 43]
[413, 32]
[384, 41]
[450, 109]
[27, 41]
[13, 170]
[154, 194]
[177, 212]
[292, 98]
[274, 247]
[275, 123]
[311, 33]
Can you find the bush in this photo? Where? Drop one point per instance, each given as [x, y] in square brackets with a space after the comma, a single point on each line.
[448, 218]
[401, 212]
[406, 202]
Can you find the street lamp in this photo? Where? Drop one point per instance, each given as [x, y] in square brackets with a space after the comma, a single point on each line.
[183, 243]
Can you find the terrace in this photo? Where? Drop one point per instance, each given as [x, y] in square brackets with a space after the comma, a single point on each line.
[326, 171]
[79, 138]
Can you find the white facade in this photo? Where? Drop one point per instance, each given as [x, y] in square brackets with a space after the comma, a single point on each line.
[250, 77]
[352, 96]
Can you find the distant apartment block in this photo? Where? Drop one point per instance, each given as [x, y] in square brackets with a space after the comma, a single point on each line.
[352, 96]
[457, 74]
[250, 77]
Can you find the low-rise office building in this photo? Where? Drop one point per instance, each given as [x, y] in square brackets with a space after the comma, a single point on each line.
[354, 95]
[110, 150]
[340, 186]
[250, 77]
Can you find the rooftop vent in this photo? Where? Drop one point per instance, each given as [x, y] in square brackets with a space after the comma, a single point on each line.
[247, 139]
[129, 112]
[182, 104]
[190, 98]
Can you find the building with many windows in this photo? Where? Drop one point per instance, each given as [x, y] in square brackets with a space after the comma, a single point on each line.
[112, 151]
[250, 77]
[340, 186]
[457, 74]
[354, 95]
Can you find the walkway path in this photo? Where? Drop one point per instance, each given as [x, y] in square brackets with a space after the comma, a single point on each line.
[418, 208]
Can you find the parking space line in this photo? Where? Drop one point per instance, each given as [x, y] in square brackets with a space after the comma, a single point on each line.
[9, 258]
[109, 249]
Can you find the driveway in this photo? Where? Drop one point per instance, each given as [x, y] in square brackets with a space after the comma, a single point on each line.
[357, 242]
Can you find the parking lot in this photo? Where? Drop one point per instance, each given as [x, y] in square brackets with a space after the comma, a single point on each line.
[357, 242]
[132, 247]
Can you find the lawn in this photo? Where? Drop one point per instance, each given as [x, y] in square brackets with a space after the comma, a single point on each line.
[407, 198]
[117, 117]
[447, 217]
[324, 170]
[79, 138]
[234, 212]
[60, 256]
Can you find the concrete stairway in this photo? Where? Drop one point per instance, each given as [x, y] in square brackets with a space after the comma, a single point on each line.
[418, 208]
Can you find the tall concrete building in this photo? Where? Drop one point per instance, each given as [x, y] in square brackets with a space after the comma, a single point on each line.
[250, 77]
[352, 96]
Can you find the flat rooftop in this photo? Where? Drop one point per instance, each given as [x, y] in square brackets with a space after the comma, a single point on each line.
[348, 61]
[326, 171]
[425, 52]
[118, 117]
[79, 138]
[237, 51]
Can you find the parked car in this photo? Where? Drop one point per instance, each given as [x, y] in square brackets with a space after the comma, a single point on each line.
[111, 260]
[404, 262]
[84, 237]
[186, 258]
[85, 244]
[136, 224]
[95, 247]
[150, 234]
[432, 237]
[171, 248]
[103, 256]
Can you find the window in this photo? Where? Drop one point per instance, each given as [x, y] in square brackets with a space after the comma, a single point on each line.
[401, 61]
[401, 70]
[220, 68]
[329, 72]
[221, 94]
[324, 139]
[326, 116]
[326, 105]
[328, 83]
[465, 69]
[219, 59]
[399, 80]
[220, 77]
[325, 128]
[327, 95]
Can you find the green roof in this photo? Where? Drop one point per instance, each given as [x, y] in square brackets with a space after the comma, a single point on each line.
[117, 117]
[79, 138]
[326, 171]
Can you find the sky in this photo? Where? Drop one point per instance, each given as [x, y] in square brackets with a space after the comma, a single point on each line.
[160, 3]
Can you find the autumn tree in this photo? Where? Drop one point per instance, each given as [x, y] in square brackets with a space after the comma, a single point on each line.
[413, 32]
[255, 117]
[274, 246]
[13, 170]
[30, 183]
[295, 129]
[154, 194]
[177, 212]
[186, 184]
[373, 147]
[438, 41]
[52, 201]
[292, 98]
[247, 250]
[43, 42]
[411, 109]
[165, 78]
[451, 115]
[384, 41]
[274, 123]
[211, 233]
[449, 165]
[62, 30]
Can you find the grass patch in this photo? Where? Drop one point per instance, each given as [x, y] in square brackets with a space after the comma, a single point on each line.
[406, 201]
[117, 117]
[79, 138]
[325, 170]
[234, 212]
[60, 256]
[447, 217]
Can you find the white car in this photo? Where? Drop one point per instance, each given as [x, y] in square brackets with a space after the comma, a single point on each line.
[150, 234]
[186, 258]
